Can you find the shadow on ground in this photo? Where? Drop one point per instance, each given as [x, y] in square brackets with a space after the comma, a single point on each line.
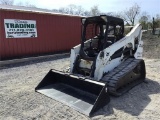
[133, 102]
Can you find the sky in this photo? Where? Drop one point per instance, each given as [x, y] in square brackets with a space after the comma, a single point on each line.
[150, 6]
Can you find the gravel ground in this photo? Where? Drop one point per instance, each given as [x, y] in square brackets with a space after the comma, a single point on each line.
[18, 99]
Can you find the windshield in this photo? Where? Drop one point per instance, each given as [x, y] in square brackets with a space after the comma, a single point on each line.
[92, 30]
[93, 37]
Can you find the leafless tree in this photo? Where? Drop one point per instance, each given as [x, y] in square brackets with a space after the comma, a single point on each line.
[73, 10]
[63, 10]
[55, 10]
[86, 13]
[130, 14]
[70, 9]
[79, 10]
[144, 19]
[95, 11]
[26, 4]
[6, 2]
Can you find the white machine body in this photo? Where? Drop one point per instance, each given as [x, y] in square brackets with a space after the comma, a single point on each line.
[105, 64]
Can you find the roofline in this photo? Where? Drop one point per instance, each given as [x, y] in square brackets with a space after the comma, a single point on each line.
[19, 9]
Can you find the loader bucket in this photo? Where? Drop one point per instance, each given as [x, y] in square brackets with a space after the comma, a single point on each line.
[83, 95]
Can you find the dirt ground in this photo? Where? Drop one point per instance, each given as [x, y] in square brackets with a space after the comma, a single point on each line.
[19, 101]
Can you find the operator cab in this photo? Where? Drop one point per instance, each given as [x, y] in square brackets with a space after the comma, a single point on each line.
[99, 33]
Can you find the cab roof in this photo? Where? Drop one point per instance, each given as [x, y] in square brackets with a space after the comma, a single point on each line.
[104, 19]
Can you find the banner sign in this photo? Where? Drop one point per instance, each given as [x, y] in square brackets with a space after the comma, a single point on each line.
[20, 28]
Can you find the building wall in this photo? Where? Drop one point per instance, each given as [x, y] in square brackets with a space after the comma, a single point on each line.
[55, 33]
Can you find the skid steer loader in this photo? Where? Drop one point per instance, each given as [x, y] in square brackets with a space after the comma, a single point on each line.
[106, 62]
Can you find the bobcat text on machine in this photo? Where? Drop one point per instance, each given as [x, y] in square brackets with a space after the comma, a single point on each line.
[106, 62]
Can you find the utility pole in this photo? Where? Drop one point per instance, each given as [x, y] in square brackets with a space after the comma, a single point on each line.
[153, 26]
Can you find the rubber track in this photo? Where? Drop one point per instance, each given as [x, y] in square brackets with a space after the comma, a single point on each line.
[114, 76]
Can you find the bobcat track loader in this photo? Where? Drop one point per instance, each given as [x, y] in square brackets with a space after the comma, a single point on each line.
[106, 62]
